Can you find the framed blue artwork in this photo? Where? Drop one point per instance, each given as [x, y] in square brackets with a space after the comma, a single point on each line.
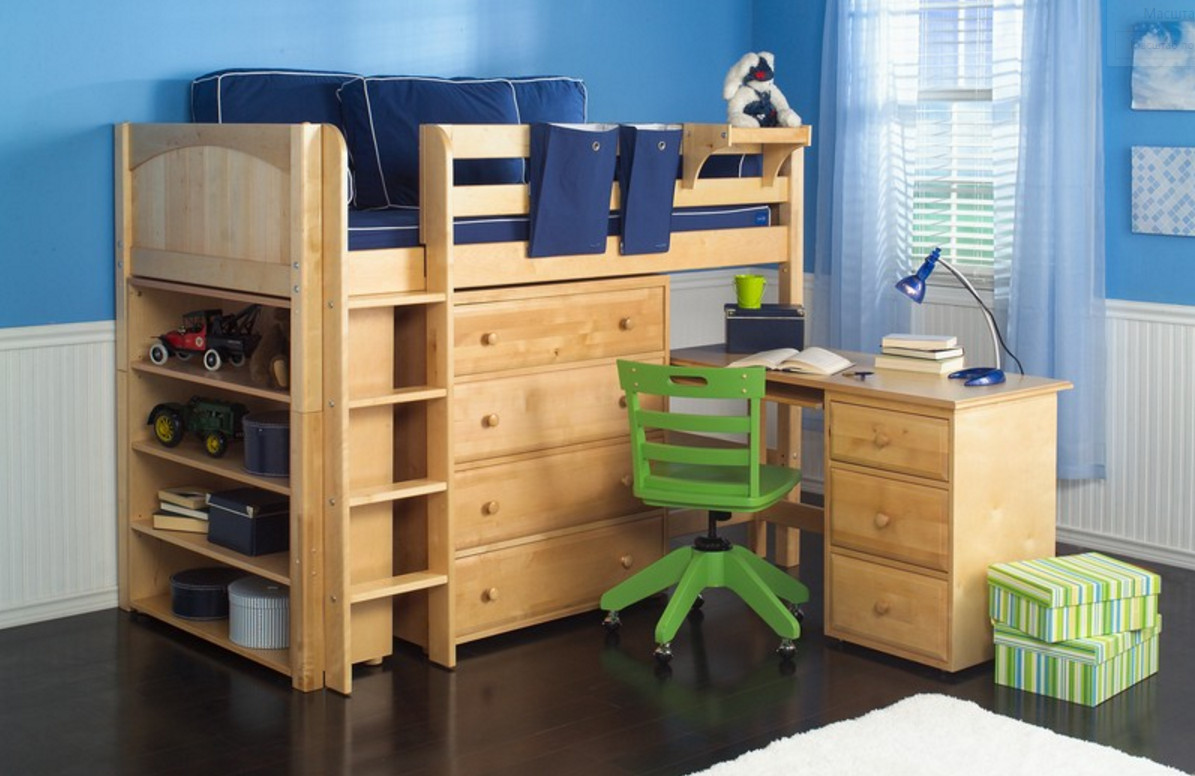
[1164, 190]
[1164, 65]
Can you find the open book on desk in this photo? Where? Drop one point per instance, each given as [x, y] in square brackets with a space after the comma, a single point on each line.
[813, 361]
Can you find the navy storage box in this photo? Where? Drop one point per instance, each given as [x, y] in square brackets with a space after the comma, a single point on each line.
[267, 443]
[202, 594]
[767, 328]
[251, 521]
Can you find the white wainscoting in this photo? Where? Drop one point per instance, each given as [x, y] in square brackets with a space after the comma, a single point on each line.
[57, 470]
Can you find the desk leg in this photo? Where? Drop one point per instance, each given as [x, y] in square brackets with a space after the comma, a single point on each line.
[788, 448]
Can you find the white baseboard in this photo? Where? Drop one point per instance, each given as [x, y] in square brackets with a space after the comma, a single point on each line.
[67, 606]
[1127, 547]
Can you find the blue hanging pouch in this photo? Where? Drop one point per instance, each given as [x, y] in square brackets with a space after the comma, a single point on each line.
[571, 170]
[649, 155]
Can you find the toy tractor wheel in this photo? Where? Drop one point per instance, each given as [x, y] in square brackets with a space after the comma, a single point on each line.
[216, 444]
[212, 360]
[183, 355]
[168, 427]
[237, 359]
[158, 353]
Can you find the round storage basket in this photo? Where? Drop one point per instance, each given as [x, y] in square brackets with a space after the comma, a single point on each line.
[267, 443]
[202, 594]
[259, 613]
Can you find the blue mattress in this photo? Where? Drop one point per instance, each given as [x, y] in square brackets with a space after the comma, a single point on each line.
[374, 229]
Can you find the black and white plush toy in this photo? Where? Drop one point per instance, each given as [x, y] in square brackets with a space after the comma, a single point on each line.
[752, 99]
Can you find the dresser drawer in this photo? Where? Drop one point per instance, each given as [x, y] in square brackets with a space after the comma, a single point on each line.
[890, 606]
[542, 492]
[523, 413]
[896, 441]
[881, 516]
[581, 322]
[529, 583]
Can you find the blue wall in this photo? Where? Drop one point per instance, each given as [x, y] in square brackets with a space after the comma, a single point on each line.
[73, 69]
[1144, 268]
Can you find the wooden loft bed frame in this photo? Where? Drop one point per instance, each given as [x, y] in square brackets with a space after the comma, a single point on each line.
[256, 214]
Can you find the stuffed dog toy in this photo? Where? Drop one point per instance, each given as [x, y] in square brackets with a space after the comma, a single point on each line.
[752, 99]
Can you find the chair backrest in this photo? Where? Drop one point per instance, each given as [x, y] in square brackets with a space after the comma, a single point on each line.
[672, 473]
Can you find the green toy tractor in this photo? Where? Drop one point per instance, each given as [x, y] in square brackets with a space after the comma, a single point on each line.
[213, 421]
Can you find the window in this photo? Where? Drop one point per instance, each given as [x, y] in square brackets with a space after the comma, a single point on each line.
[958, 121]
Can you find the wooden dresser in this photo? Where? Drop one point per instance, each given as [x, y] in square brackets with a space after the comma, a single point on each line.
[543, 515]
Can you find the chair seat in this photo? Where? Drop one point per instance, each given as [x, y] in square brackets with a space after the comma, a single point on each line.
[672, 485]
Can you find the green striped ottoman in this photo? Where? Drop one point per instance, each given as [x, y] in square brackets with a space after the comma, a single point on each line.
[1072, 597]
[1087, 671]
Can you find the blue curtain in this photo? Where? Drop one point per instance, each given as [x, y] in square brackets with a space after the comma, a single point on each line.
[1053, 300]
[863, 224]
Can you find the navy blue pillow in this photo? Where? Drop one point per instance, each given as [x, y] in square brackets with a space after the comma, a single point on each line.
[550, 99]
[382, 115]
[245, 96]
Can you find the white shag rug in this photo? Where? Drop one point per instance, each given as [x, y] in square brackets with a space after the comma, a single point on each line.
[927, 735]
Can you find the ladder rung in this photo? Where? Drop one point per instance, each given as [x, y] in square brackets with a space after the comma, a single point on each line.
[396, 491]
[400, 396]
[392, 586]
[396, 300]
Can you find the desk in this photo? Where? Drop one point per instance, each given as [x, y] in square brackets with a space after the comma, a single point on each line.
[927, 483]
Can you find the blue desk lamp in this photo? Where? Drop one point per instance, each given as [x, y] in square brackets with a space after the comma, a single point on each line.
[914, 287]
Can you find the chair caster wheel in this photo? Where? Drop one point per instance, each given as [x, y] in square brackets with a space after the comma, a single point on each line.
[611, 623]
[796, 612]
[787, 649]
[663, 653]
[698, 602]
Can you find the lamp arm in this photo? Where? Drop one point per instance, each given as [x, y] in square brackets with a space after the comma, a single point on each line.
[987, 314]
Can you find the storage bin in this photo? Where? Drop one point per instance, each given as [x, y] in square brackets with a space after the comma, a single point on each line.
[1087, 671]
[252, 521]
[267, 443]
[1072, 597]
[259, 613]
[202, 594]
[768, 327]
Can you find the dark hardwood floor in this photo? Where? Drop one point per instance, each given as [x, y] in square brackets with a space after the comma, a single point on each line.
[109, 693]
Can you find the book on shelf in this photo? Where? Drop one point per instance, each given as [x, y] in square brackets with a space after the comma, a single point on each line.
[169, 522]
[814, 361]
[189, 496]
[923, 365]
[175, 509]
[920, 341]
[931, 355]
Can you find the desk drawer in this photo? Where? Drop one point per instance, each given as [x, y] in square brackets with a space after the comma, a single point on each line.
[890, 606]
[542, 492]
[523, 413]
[881, 516]
[534, 582]
[896, 441]
[582, 321]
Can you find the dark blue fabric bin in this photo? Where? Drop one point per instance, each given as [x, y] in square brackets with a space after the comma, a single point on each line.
[572, 172]
[647, 162]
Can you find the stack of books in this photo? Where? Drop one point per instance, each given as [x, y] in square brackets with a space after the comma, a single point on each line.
[936, 354]
[182, 509]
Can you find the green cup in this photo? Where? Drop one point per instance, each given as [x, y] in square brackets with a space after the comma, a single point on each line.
[749, 289]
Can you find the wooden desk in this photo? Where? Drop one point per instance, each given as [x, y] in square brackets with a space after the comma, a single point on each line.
[927, 483]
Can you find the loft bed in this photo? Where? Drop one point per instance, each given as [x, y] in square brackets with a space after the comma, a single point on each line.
[256, 213]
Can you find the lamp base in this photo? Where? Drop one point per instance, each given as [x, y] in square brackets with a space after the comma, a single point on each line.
[979, 375]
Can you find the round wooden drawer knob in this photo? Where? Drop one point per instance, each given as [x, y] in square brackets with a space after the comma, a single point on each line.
[882, 520]
[881, 607]
[626, 324]
[627, 561]
[491, 594]
[881, 440]
[490, 508]
[491, 420]
[489, 338]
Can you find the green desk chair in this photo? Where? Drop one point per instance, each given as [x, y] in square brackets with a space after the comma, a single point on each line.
[719, 479]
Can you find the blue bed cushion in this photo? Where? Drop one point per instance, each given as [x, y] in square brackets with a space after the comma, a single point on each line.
[275, 96]
[550, 98]
[382, 115]
[372, 229]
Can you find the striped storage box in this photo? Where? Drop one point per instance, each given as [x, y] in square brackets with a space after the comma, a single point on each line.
[258, 613]
[1072, 597]
[1088, 671]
